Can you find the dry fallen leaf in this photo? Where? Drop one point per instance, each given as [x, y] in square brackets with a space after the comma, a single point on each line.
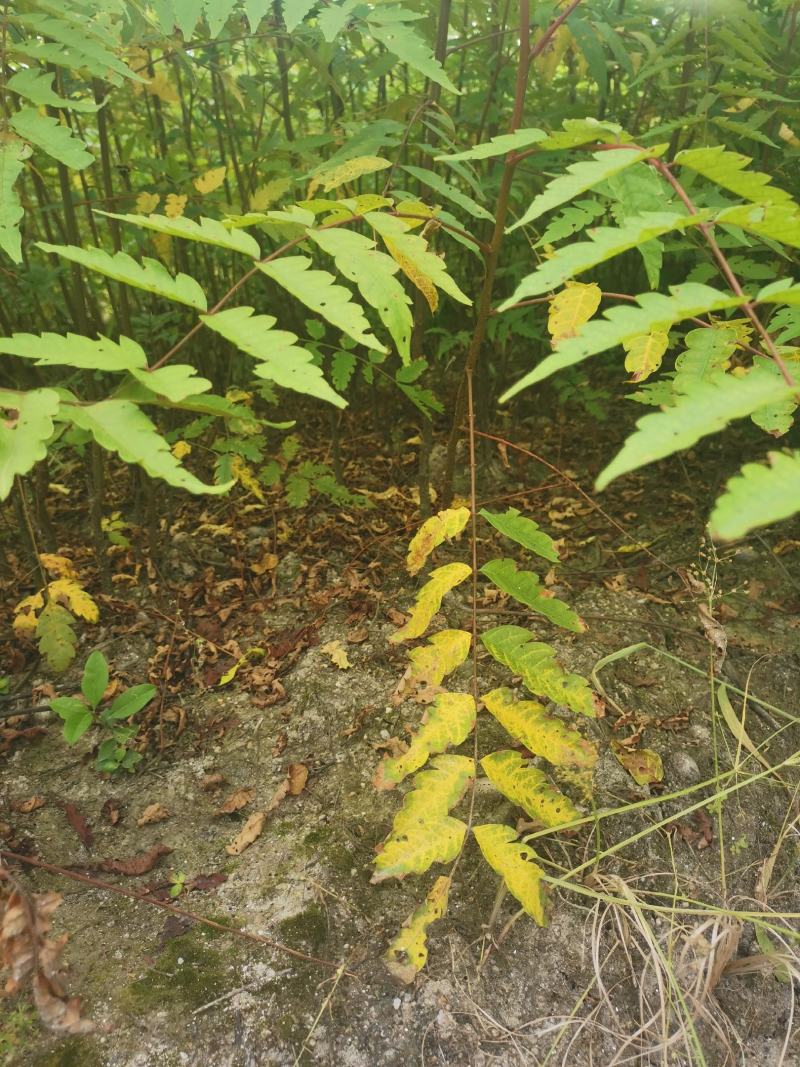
[134, 866]
[79, 824]
[152, 813]
[25, 807]
[337, 654]
[237, 800]
[297, 775]
[211, 782]
[249, 833]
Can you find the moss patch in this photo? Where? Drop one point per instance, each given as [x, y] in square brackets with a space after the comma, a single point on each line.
[187, 972]
[308, 929]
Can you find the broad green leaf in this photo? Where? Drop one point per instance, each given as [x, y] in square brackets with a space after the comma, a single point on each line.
[710, 406]
[438, 528]
[57, 640]
[175, 382]
[75, 350]
[25, 426]
[580, 177]
[423, 833]
[150, 275]
[422, 267]
[497, 146]
[778, 222]
[431, 663]
[279, 358]
[318, 290]
[36, 85]
[528, 788]
[294, 11]
[359, 261]
[48, 134]
[449, 192]
[524, 531]
[122, 427]
[542, 734]
[429, 599]
[535, 663]
[621, 323]
[206, 231]
[577, 132]
[334, 17]
[131, 701]
[68, 707]
[708, 351]
[644, 352]
[408, 952]
[402, 41]
[515, 863]
[217, 13]
[95, 678]
[525, 587]
[758, 496]
[12, 156]
[726, 168]
[447, 722]
[76, 727]
[571, 309]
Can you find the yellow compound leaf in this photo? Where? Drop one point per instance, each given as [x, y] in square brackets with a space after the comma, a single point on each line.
[540, 733]
[60, 566]
[438, 528]
[447, 722]
[408, 953]
[431, 663]
[423, 832]
[515, 863]
[25, 614]
[572, 308]
[644, 353]
[429, 600]
[245, 477]
[174, 205]
[528, 788]
[76, 597]
[643, 764]
[146, 203]
[211, 180]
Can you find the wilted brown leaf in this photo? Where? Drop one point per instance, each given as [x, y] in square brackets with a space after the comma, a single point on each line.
[249, 833]
[152, 813]
[79, 824]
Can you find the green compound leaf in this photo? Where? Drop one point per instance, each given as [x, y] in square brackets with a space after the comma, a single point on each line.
[280, 360]
[542, 734]
[727, 168]
[528, 788]
[74, 350]
[621, 323]
[402, 41]
[438, 528]
[429, 599]
[580, 177]
[408, 953]
[57, 640]
[535, 663]
[431, 663]
[758, 496]
[175, 382]
[206, 231]
[525, 587]
[710, 406]
[449, 192]
[48, 134]
[122, 427]
[150, 274]
[523, 530]
[36, 85]
[25, 427]
[359, 261]
[12, 156]
[446, 723]
[423, 833]
[498, 146]
[516, 865]
[318, 290]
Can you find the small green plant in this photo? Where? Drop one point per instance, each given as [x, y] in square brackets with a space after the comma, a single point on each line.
[177, 883]
[80, 713]
[19, 1026]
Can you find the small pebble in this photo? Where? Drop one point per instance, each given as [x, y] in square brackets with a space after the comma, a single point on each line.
[396, 1003]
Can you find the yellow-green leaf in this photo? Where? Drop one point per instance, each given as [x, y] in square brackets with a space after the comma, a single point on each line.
[515, 863]
[447, 722]
[572, 308]
[528, 788]
[644, 353]
[540, 733]
[57, 640]
[431, 663]
[438, 528]
[423, 833]
[332, 178]
[76, 597]
[643, 764]
[408, 953]
[429, 599]
[211, 180]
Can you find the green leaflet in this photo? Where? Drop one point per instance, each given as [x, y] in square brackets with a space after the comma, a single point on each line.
[318, 290]
[498, 146]
[708, 351]
[75, 350]
[525, 587]
[528, 788]
[779, 222]
[777, 419]
[710, 406]
[207, 231]
[758, 496]
[48, 134]
[605, 243]
[423, 833]
[619, 324]
[23, 436]
[280, 360]
[175, 382]
[294, 11]
[447, 723]
[726, 168]
[535, 662]
[402, 41]
[12, 155]
[150, 274]
[359, 260]
[121, 427]
[542, 734]
[84, 46]
[515, 863]
[36, 85]
[449, 192]
[523, 530]
[580, 177]
[583, 131]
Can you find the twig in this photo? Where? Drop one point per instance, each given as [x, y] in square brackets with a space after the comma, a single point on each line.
[337, 978]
